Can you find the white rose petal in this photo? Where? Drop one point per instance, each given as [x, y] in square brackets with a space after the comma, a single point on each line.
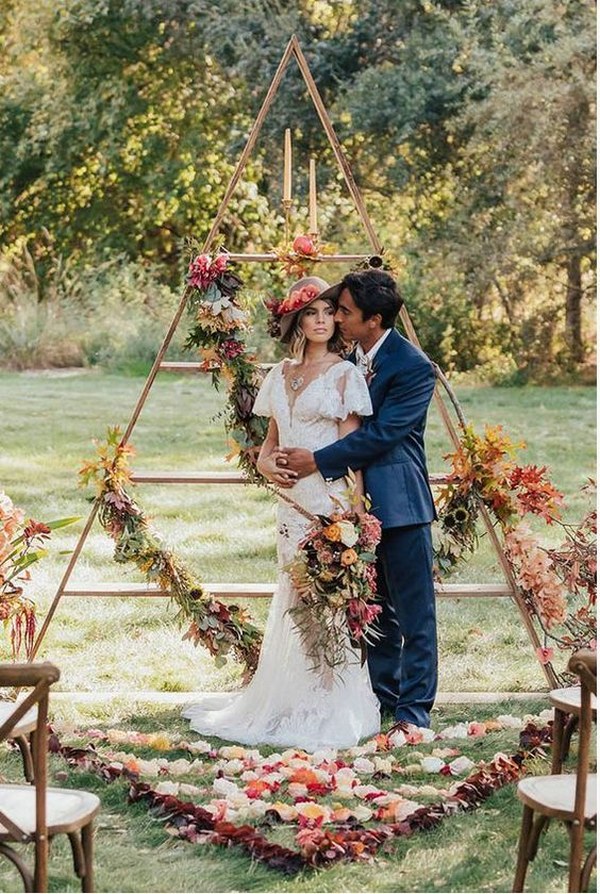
[362, 813]
[225, 787]
[404, 809]
[460, 731]
[249, 776]
[167, 788]
[323, 756]
[397, 739]
[349, 534]
[509, 721]
[432, 764]
[363, 765]
[461, 765]
[187, 789]
[383, 765]
[199, 747]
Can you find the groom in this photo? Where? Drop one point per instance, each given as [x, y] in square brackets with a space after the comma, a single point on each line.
[389, 448]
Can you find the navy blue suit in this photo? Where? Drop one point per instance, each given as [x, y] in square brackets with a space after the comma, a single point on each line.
[389, 448]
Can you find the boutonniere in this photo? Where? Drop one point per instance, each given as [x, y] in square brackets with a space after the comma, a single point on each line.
[370, 373]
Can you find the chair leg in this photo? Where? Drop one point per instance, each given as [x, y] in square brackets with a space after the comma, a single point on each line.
[572, 722]
[576, 856]
[558, 736]
[26, 758]
[22, 869]
[587, 869]
[539, 826]
[78, 855]
[87, 840]
[523, 852]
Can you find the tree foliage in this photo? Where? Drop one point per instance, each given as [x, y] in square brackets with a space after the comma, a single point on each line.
[469, 124]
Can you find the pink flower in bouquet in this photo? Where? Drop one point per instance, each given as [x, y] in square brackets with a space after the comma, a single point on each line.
[370, 531]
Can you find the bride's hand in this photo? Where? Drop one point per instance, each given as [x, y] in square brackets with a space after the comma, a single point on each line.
[274, 473]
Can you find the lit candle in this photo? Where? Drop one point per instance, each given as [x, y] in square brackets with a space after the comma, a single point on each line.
[287, 166]
[312, 197]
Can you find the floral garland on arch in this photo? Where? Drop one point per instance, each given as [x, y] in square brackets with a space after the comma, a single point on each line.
[218, 334]
[221, 628]
[558, 585]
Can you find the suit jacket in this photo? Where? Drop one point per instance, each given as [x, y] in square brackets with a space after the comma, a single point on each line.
[389, 446]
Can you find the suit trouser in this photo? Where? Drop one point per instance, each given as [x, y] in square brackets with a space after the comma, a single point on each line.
[403, 662]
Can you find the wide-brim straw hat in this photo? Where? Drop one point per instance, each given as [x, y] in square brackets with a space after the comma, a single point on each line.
[301, 295]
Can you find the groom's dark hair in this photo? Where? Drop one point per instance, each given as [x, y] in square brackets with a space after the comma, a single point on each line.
[374, 292]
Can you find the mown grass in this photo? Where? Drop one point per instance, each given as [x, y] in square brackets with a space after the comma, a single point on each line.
[227, 533]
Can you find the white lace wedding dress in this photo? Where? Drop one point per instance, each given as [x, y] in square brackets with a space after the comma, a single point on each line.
[287, 702]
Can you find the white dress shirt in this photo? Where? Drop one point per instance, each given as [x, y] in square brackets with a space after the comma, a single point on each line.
[365, 361]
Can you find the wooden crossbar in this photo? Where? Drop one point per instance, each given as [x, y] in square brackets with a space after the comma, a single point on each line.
[256, 591]
[233, 477]
[192, 366]
[320, 259]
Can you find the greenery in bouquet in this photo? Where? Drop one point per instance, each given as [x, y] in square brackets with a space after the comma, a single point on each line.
[22, 543]
[335, 578]
[218, 334]
[221, 629]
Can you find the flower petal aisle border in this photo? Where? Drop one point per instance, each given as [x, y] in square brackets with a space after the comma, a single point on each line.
[337, 805]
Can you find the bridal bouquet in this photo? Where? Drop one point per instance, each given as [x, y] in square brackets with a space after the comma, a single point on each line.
[334, 575]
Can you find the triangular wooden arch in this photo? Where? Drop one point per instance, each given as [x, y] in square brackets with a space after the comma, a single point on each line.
[292, 51]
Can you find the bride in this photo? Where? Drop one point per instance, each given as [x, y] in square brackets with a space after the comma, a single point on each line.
[311, 399]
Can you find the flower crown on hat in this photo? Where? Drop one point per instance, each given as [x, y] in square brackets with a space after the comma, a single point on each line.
[294, 301]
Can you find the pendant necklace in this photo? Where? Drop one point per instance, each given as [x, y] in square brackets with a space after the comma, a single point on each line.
[296, 382]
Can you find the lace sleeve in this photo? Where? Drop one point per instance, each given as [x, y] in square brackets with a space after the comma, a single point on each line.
[349, 394]
[263, 405]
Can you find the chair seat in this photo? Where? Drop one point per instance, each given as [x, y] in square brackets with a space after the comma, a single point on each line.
[66, 809]
[26, 724]
[569, 699]
[555, 795]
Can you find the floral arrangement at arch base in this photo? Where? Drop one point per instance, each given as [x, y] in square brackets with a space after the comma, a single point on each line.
[558, 586]
[22, 543]
[221, 628]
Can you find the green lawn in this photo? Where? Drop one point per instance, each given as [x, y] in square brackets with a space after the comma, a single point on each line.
[48, 420]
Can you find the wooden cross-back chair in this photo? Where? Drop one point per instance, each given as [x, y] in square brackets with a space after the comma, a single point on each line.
[569, 797]
[33, 814]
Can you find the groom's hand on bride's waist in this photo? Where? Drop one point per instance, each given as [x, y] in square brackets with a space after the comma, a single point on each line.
[297, 459]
